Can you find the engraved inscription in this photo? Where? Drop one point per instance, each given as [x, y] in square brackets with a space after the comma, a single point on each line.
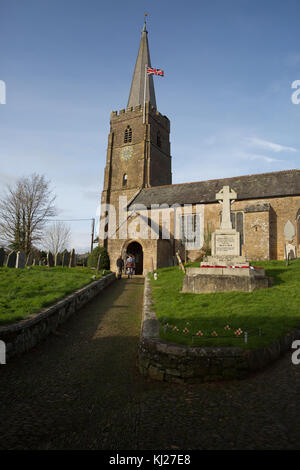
[225, 244]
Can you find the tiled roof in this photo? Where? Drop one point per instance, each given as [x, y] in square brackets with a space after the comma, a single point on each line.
[264, 185]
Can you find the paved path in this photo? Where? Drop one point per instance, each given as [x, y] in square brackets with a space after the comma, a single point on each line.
[80, 389]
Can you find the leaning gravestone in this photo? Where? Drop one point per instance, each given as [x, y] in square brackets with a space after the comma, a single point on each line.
[2, 257]
[21, 259]
[11, 259]
[29, 260]
[57, 259]
[50, 259]
[72, 262]
[65, 258]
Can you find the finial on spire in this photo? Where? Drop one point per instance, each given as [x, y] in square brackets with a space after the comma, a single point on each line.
[145, 16]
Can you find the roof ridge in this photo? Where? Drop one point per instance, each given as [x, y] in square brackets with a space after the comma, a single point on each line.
[220, 179]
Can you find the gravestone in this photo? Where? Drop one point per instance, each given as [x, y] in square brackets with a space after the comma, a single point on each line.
[65, 258]
[57, 259]
[21, 259]
[290, 251]
[72, 262]
[29, 260]
[289, 231]
[35, 262]
[98, 263]
[11, 259]
[2, 257]
[50, 260]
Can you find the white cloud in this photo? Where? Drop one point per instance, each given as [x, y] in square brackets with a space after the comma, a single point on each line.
[267, 145]
[265, 158]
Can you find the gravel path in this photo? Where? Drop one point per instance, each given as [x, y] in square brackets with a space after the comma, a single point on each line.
[80, 389]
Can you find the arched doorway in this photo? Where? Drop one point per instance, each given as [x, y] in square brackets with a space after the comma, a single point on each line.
[135, 249]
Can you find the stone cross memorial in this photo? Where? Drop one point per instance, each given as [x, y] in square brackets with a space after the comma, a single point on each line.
[225, 196]
[226, 240]
[226, 270]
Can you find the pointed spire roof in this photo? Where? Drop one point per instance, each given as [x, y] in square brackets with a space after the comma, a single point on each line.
[136, 95]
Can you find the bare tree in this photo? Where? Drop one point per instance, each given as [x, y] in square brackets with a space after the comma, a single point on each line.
[57, 237]
[24, 208]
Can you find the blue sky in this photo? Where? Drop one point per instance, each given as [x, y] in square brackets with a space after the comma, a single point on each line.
[229, 66]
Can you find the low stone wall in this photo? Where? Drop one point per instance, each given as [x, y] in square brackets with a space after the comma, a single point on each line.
[24, 335]
[162, 360]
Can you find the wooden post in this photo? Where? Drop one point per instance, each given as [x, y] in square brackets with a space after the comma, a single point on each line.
[180, 262]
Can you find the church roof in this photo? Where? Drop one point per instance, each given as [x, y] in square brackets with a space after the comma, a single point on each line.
[136, 95]
[264, 185]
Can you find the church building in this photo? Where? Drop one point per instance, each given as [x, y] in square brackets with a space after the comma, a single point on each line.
[144, 214]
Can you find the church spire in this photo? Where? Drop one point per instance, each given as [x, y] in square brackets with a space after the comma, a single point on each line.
[136, 95]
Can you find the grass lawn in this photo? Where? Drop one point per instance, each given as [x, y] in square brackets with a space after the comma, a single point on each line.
[27, 291]
[275, 310]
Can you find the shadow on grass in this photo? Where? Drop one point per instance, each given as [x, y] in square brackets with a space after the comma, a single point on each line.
[277, 275]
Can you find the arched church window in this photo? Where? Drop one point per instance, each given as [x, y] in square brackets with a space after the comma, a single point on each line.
[128, 135]
[158, 139]
[124, 183]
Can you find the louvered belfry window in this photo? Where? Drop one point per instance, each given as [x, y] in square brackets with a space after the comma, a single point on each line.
[128, 135]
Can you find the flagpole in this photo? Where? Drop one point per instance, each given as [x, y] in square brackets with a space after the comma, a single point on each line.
[144, 114]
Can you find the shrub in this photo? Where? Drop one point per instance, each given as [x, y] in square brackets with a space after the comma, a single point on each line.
[93, 258]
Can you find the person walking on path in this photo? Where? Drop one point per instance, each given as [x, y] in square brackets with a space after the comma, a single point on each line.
[120, 266]
[130, 265]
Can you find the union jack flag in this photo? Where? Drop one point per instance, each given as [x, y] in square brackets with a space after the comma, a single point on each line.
[152, 71]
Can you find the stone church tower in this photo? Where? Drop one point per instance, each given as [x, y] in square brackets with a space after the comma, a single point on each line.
[138, 153]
